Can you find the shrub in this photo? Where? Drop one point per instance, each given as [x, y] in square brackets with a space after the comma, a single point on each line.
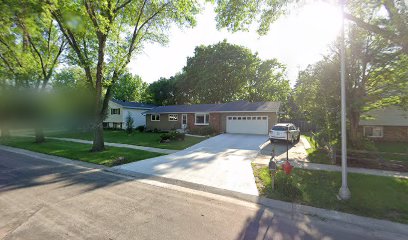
[204, 131]
[165, 136]
[140, 128]
[286, 186]
[173, 135]
[129, 123]
[177, 135]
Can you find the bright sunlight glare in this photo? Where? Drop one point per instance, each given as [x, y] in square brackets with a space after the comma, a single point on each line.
[297, 40]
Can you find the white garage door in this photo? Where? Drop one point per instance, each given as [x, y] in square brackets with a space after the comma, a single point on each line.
[247, 124]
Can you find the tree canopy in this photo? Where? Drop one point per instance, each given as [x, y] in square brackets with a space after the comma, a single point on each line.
[388, 19]
[375, 78]
[223, 72]
[103, 36]
[130, 88]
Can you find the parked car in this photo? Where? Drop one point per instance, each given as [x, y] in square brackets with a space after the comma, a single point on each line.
[284, 131]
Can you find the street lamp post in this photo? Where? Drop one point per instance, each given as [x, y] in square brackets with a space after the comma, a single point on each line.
[344, 192]
[287, 143]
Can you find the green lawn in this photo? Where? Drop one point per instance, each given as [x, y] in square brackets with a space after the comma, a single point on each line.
[372, 196]
[79, 151]
[316, 155]
[136, 138]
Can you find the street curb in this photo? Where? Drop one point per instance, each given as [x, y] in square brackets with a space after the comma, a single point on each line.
[185, 184]
[52, 158]
[398, 230]
[372, 224]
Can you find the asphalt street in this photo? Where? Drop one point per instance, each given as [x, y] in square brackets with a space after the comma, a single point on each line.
[42, 199]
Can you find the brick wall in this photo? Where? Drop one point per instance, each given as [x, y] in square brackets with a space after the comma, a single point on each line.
[215, 122]
[391, 134]
[164, 123]
[399, 134]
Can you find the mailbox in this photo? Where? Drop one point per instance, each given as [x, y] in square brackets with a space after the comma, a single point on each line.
[272, 166]
[272, 170]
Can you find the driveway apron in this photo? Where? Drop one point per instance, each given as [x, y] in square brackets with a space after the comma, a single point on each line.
[223, 161]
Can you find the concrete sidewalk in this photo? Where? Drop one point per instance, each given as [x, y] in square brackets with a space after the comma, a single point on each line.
[120, 145]
[70, 189]
[264, 160]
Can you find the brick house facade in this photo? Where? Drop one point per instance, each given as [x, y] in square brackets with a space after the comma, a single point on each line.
[388, 124]
[219, 116]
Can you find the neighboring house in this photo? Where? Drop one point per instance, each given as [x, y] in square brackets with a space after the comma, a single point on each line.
[119, 110]
[234, 117]
[387, 124]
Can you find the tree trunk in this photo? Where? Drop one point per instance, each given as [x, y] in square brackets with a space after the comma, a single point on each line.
[98, 142]
[354, 131]
[39, 135]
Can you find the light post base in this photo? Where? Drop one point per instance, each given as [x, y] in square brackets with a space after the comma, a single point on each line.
[344, 193]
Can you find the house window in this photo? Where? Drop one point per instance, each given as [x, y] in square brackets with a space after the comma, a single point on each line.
[375, 132]
[202, 118]
[115, 111]
[117, 125]
[155, 117]
[173, 117]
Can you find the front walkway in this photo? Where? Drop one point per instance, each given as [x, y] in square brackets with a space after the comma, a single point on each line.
[264, 160]
[222, 162]
[120, 145]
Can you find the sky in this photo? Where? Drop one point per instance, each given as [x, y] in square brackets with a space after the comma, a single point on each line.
[297, 40]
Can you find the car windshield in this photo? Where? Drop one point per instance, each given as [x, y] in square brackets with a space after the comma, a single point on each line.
[279, 128]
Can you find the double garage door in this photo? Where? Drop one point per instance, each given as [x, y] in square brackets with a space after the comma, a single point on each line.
[247, 124]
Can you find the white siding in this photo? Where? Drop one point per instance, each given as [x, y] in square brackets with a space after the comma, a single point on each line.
[116, 117]
[136, 114]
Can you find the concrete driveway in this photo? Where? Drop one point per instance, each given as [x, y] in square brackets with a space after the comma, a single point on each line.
[297, 151]
[223, 161]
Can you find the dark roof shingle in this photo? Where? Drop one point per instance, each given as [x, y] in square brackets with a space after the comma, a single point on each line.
[134, 104]
[239, 106]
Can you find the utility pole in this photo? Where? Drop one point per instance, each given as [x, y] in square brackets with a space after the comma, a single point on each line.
[287, 142]
[344, 192]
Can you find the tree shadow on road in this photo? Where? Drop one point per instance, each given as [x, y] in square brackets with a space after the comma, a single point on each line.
[20, 171]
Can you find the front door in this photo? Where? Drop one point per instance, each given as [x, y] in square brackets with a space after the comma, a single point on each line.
[184, 121]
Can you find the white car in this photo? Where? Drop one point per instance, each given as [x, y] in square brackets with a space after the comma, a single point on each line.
[284, 131]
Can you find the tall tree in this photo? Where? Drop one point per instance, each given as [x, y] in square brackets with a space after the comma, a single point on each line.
[130, 88]
[376, 77]
[105, 34]
[317, 97]
[226, 72]
[163, 91]
[30, 48]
